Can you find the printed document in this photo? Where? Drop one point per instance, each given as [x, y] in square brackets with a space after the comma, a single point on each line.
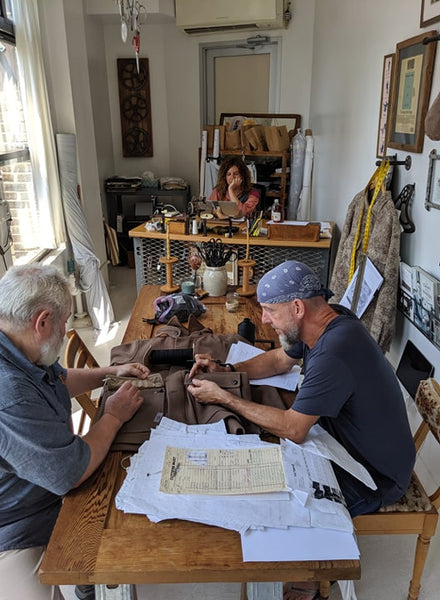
[222, 471]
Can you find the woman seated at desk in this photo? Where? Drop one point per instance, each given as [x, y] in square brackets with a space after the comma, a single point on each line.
[234, 185]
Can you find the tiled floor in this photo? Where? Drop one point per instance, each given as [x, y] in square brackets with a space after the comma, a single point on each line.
[386, 561]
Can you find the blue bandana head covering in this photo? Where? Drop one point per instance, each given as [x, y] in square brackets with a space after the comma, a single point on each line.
[288, 281]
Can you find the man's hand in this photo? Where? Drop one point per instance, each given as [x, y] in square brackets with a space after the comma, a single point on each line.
[204, 363]
[131, 370]
[124, 403]
[208, 392]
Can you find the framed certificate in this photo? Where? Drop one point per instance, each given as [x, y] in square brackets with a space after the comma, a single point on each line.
[414, 64]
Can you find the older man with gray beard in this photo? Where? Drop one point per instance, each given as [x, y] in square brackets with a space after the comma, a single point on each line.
[41, 459]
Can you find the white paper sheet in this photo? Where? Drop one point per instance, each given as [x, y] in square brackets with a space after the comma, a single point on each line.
[322, 443]
[371, 282]
[298, 543]
[140, 491]
[241, 351]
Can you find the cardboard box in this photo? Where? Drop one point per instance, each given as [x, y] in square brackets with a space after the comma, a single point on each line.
[300, 233]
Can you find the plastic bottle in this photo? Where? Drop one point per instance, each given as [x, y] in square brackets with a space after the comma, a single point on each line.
[298, 150]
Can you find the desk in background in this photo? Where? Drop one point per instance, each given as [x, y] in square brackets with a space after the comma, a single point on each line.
[128, 207]
[93, 542]
[149, 246]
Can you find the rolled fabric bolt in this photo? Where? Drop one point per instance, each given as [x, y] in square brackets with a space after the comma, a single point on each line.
[216, 147]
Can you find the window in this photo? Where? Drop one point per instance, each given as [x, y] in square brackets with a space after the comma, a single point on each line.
[15, 165]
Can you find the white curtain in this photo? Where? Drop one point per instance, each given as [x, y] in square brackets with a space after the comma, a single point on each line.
[90, 277]
[38, 121]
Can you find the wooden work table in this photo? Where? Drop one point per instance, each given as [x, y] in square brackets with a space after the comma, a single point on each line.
[93, 542]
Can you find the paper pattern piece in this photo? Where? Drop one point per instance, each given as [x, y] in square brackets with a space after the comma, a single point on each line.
[372, 280]
[303, 504]
[222, 471]
[241, 351]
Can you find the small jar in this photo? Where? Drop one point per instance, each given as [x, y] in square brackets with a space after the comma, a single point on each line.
[232, 302]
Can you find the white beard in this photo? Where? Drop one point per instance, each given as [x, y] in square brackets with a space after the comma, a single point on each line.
[50, 351]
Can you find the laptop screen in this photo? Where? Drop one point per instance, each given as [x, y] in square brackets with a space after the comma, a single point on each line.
[412, 368]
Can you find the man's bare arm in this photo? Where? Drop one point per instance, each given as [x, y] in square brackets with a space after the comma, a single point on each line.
[288, 424]
[272, 362]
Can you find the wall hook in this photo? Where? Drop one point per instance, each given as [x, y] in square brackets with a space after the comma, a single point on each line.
[407, 162]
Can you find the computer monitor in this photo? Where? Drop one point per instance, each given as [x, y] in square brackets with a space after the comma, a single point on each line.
[412, 368]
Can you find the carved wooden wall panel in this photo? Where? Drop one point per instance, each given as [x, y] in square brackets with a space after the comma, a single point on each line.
[135, 107]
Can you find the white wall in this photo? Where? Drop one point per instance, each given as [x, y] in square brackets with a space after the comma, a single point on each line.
[175, 88]
[351, 38]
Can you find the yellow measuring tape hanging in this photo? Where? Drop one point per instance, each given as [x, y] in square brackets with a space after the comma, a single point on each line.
[377, 179]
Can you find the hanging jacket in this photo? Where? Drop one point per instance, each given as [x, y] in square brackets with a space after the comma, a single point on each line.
[384, 252]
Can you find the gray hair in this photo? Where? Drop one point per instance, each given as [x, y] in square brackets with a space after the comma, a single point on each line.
[27, 289]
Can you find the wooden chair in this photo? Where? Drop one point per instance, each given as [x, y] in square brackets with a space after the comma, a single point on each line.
[78, 356]
[415, 513]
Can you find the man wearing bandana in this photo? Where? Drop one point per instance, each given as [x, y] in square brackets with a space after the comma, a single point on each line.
[349, 388]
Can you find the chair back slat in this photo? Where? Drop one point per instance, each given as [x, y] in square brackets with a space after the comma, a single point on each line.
[428, 404]
[78, 356]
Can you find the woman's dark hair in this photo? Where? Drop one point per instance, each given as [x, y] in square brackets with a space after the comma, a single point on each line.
[233, 161]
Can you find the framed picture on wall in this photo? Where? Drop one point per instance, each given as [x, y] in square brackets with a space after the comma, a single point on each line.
[414, 63]
[385, 96]
[430, 12]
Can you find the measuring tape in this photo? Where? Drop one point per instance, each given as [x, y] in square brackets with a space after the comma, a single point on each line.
[377, 179]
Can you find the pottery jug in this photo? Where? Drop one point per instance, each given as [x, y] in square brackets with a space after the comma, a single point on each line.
[215, 280]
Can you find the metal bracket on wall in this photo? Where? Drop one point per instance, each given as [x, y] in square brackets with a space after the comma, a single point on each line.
[433, 182]
[407, 162]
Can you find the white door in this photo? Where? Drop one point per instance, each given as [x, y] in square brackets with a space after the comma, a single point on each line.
[240, 78]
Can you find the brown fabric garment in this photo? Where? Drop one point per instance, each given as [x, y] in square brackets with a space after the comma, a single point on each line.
[432, 120]
[175, 337]
[173, 400]
[183, 407]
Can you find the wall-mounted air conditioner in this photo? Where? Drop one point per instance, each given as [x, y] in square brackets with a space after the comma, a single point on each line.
[204, 16]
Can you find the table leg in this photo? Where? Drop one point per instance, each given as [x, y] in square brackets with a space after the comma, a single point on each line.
[123, 591]
[264, 590]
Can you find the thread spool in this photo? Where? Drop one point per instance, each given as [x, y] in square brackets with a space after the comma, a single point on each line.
[188, 287]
